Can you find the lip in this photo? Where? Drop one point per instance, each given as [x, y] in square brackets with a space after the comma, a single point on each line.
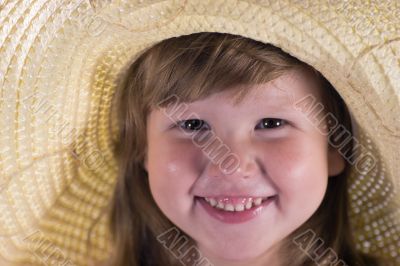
[235, 217]
[232, 196]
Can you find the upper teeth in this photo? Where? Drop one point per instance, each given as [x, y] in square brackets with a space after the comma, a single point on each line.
[250, 202]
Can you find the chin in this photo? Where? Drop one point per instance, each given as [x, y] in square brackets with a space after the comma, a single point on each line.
[239, 256]
[239, 253]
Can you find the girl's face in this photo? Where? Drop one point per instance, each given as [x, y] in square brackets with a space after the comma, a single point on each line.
[275, 152]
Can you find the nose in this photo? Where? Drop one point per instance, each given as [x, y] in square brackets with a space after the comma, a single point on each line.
[240, 160]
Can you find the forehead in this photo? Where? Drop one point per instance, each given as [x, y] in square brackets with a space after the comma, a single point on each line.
[282, 91]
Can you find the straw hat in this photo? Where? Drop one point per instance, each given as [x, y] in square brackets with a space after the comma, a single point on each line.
[60, 62]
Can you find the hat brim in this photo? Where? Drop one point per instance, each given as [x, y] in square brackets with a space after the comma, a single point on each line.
[60, 64]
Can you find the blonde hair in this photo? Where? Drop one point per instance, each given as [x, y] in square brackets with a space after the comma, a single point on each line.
[193, 67]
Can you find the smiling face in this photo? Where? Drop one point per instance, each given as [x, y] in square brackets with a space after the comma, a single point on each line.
[279, 153]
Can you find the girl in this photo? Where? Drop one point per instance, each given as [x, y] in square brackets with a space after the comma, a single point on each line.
[220, 166]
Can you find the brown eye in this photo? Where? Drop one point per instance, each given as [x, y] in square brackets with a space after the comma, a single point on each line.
[268, 123]
[192, 124]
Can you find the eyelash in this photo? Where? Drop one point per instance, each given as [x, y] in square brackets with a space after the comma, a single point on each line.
[265, 121]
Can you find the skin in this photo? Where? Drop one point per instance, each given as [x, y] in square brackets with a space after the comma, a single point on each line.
[292, 161]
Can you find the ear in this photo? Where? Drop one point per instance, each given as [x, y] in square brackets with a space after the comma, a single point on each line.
[336, 163]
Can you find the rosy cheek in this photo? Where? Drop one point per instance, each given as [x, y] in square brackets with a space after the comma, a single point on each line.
[298, 169]
[174, 168]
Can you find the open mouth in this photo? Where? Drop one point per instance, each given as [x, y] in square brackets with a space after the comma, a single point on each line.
[235, 204]
[235, 210]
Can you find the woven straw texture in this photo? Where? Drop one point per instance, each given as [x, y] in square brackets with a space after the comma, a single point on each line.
[60, 62]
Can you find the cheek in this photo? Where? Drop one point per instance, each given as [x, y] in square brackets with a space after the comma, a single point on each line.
[172, 169]
[298, 168]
